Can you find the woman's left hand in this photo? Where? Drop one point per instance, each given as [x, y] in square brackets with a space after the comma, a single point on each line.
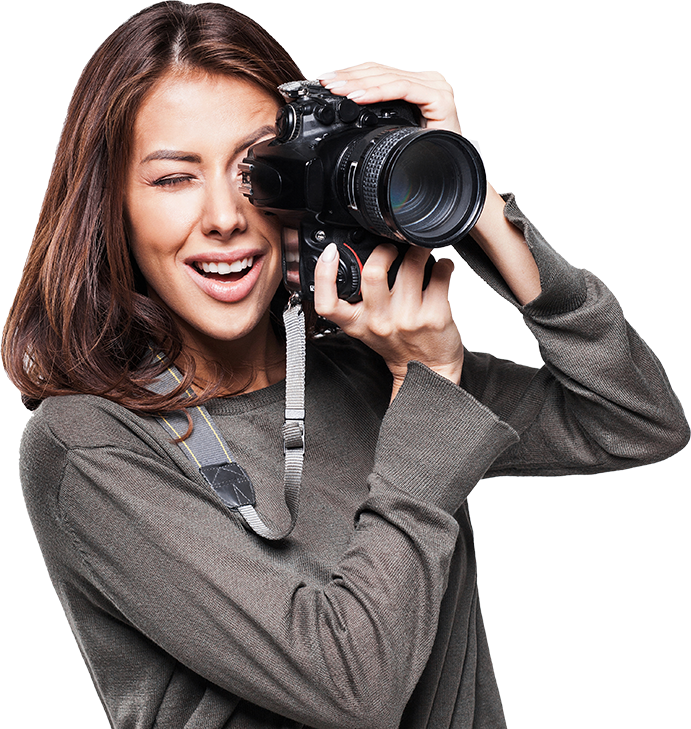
[370, 83]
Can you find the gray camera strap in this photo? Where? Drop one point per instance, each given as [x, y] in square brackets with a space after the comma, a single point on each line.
[208, 450]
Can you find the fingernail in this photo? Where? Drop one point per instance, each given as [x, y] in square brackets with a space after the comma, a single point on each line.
[335, 85]
[329, 253]
[356, 94]
[327, 76]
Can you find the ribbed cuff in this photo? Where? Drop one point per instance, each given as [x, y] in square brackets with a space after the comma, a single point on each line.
[436, 440]
[563, 285]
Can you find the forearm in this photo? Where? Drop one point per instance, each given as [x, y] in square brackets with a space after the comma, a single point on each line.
[505, 246]
[602, 401]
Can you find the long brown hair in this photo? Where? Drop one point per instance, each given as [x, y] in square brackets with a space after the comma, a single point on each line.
[81, 321]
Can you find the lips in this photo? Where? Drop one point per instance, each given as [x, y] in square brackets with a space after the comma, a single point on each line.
[227, 280]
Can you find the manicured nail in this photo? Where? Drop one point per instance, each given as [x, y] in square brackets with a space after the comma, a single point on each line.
[327, 76]
[356, 94]
[335, 85]
[329, 253]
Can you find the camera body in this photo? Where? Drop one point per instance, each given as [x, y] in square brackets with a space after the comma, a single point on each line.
[358, 176]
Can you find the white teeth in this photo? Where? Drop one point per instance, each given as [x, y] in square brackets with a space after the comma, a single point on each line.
[222, 267]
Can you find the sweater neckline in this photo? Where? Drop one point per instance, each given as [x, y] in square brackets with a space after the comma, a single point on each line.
[266, 396]
[234, 404]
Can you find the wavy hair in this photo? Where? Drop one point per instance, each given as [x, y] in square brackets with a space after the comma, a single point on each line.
[81, 321]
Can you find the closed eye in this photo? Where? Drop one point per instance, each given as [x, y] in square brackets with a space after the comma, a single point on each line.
[170, 181]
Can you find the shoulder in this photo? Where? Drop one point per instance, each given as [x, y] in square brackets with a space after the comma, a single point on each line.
[84, 431]
[79, 420]
[60, 427]
[85, 421]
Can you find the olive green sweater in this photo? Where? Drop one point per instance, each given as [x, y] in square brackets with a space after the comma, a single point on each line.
[367, 615]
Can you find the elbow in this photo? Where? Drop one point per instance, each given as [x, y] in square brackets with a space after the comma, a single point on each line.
[665, 438]
[375, 710]
[368, 702]
[678, 439]
[375, 699]
[640, 441]
[674, 432]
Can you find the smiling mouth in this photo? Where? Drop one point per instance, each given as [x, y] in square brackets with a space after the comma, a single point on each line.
[222, 271]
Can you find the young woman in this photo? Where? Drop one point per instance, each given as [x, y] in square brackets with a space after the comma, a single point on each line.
[366, 614]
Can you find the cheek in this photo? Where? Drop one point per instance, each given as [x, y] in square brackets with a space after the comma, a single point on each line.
[158, 226]
[266, 224]
[262, 225]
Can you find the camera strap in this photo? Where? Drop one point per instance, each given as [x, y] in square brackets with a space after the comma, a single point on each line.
[208, 450]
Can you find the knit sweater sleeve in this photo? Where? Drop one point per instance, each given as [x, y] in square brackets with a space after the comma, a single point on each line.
[602, 401]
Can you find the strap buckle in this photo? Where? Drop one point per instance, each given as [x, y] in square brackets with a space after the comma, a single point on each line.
[294, 437]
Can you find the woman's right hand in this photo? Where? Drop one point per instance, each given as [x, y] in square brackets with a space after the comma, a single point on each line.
[401, 324]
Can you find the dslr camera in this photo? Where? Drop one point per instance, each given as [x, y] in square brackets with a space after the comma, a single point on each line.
[358, 176]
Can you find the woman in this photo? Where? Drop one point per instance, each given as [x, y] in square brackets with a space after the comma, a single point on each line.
[367, 613]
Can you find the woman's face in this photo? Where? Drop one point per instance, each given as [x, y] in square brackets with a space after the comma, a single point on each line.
[206, 252]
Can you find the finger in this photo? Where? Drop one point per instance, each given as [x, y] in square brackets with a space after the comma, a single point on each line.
[437, 291]
[370, 83]
[374, 278]
[436, 105]
[411, 274]
[326, 301]
[345, 82]
[370, 69]
[361, 69]
[373, 77]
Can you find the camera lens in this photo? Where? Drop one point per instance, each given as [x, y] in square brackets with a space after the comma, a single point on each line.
[425, 186]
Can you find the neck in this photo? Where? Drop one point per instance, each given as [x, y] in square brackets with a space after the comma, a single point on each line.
[244, 365]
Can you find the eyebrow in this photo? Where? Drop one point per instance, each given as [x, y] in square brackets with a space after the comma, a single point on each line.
[180, 156]
[174, 155]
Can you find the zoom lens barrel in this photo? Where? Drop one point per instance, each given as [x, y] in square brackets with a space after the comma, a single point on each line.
[423, 186]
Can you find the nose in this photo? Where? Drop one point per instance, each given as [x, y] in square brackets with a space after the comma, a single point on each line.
[223, 213]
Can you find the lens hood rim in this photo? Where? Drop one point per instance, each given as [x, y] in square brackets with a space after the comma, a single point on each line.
[474, 174]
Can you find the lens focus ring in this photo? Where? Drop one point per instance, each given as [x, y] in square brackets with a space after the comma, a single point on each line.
[370, 178]
[422, 186]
